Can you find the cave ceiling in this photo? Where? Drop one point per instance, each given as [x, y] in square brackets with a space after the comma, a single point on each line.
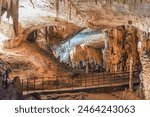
[77, 14]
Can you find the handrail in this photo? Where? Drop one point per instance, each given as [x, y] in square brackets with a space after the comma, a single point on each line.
[83, 80]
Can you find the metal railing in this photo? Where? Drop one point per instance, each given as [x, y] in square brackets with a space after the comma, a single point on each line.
[80, 81]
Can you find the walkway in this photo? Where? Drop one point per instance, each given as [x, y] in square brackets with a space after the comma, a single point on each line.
[77, 83]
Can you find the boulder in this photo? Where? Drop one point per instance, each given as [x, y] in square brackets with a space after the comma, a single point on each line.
[13, 91]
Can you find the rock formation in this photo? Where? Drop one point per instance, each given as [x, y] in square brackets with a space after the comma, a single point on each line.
[146, 46]
[46, 24]
[13, 91]
[122, 46]
[145, 80]
[86, 54]
[11, 7]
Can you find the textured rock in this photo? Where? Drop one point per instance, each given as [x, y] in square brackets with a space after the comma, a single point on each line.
[122, 46]
[86, 53]
[145, 76]
[13, 92]
[146, 46]
[11, 7]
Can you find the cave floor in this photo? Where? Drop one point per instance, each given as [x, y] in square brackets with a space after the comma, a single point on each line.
[117, 95]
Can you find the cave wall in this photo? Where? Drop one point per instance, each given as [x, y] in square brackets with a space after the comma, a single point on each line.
[80, 15]
[86, 53]
[146, 45]
[145, 60]
[122, 47]
[145, 75]
[55, 35]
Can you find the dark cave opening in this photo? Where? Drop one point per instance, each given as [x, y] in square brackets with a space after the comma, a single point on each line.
[32, 36]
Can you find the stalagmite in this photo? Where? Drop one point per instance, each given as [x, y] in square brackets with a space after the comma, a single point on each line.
[131, 76]
[121, 48]
[87, 67]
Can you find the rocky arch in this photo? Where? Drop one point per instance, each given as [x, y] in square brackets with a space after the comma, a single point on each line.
[67, 29]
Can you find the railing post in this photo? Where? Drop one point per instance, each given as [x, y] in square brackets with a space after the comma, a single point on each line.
[103, 78]
[147, 93]
[110, 79]
[114, 77]
[22, 84]
[34, 84]
[43, 83]
[57, 83]
[92, 78]
[98, 79]
[85, 80]
[27, 85]
[121, 78]
[72, 83]
[81, 79]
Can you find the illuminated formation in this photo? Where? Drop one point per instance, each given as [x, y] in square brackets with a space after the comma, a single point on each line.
[11, 7]
[81, 46]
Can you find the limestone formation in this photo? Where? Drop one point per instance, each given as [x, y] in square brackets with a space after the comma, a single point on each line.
[122, 46]
[86, 54]
[146, 46]
[145, 80]
[45, 25]
[11, 7]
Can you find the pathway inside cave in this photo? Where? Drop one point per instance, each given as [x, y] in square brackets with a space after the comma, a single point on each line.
[85, 37]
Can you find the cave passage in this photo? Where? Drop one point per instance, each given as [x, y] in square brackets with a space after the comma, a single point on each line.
[70, 46]
[82, 49]
[83, 38]
[111, 51]
[32, 36]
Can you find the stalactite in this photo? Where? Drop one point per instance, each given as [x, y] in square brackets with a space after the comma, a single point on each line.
[46, 34]
[95, 1]
[124, 2]
[32, 3]
[78, 3]
[11, 7]
[64, 2]
[0, 7]
[69, 10]
[14, 13]
[57, 8]
[108, 2]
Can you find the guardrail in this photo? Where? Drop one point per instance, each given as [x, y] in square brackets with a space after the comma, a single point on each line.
[79, 81]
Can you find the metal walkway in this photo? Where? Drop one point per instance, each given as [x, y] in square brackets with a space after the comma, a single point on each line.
[82, 82]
